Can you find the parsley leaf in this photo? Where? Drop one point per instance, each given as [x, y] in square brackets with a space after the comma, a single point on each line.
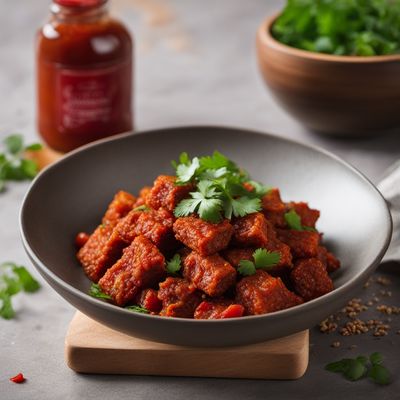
[263, 259]
[137, 309]
[13, 279]
[174, 265]
[354, 369]
[14, 143]
[95, 291]
[244, 205]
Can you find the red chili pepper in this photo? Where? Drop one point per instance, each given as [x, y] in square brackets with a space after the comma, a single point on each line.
[18, 378]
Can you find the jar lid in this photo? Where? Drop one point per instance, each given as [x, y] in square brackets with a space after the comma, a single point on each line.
[79, 3]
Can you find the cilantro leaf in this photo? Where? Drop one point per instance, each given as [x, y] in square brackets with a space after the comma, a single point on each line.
[354, 369]
[266, 259]
[14, 143]
[293, 220]
[379, 374]
[244, 205]
[34, 147]
[6, 310]
[246, 268]
[217, 161]
[186, 207]
[376, 358]
[141, 208]
[263, 259]
[174, 265]
[13, 279]
[13, 165]
[95, 291]
[28, 282]
[137, 309]
[185, 172]
[259, 189]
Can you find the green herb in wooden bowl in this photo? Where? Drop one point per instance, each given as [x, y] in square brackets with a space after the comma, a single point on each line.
[341, 27]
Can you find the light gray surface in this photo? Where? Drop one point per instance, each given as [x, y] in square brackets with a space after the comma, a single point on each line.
[214, 81]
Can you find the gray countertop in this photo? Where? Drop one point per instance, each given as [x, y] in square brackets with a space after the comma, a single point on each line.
[195, 64]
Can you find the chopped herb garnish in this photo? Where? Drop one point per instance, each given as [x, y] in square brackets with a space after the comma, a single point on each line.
[341, 27]
[138, 309]
[14, 279]
[95, 291]
[263, 259]
[355, 369]
[13, 165]
[220, 192]
[174, 265]
[294, 222]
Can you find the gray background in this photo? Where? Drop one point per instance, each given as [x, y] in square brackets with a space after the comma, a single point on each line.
[195, 64]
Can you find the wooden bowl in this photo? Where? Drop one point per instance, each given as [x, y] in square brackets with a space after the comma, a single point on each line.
[331, 94]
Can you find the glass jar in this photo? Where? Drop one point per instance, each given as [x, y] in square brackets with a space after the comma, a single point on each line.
[84, 75]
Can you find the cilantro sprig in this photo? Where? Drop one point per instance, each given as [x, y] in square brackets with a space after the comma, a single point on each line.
[137, 309]
[219, 188]
[341, 27]
[357, 368]
[96, 291]
[294, 222]
[13, 165]
[14, 279]
[263, 259]
[174, 264]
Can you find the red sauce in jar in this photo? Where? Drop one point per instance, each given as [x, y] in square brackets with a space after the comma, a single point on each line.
[84, 75]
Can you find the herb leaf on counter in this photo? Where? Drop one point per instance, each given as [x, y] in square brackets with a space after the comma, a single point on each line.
[357, 368]
[14, 279]
[13, 165]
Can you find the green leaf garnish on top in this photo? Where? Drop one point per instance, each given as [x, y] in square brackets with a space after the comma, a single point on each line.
[95, 291]
[262, 259]
[294, 222]
[174, 265]
[220, 191]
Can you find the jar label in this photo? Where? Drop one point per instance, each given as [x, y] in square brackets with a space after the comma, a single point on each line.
[92, 99]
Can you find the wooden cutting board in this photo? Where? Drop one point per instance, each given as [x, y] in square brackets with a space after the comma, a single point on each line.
[94, 348]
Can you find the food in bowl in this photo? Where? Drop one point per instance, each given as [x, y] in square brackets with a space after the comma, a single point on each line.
[341, 27]
[207, 243]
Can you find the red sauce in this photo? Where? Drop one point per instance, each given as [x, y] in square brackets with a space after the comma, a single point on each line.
[84, 75]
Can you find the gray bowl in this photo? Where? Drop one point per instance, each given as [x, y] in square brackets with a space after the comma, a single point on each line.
[71, 195]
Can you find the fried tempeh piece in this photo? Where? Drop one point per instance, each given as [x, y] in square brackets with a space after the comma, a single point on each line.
[201, 236]
[211, 274]
[166, 194]
[179, 298]
[141, 266]
[262, 293]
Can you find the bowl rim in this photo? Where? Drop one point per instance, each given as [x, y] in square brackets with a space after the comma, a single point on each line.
[288, 312]
[266, 38]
